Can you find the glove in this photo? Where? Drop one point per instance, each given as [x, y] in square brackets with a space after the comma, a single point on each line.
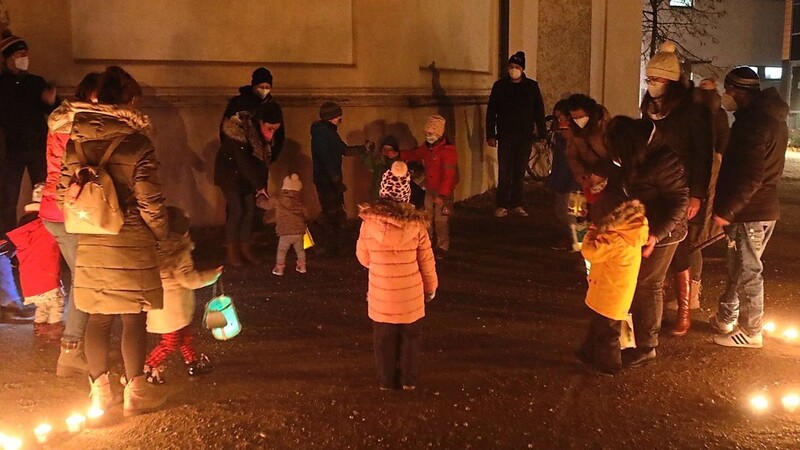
[430, 296]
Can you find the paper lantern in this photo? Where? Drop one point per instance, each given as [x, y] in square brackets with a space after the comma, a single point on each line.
[220, 317]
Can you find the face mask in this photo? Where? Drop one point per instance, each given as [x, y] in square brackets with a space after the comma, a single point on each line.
[431, 139]
[22, 63]
[515, 74]
[729, 103]
[581, 122]
[262, 92]
[656, 90]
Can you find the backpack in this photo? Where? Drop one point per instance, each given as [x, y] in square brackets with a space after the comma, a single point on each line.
[91, 205]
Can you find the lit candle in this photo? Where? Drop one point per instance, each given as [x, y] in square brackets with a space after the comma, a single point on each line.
[75, 423]
[759, 403]
[770, 327]
[790, 402]
[11, 443]
[42, 432]
[790, 334]
[94, 415]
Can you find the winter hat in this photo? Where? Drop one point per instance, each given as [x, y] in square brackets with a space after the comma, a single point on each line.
[518, 59]
[177, 220]
[743, 78]
[664, 64]
[708, 84]
[391, 141]
[396, 183]
[261, 75]
[435, 125]
[36, 198]
[12, 44]
[329, 110]
[292, 183]
[269, 112]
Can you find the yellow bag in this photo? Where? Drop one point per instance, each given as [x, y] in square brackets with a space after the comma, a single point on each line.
[308, 240]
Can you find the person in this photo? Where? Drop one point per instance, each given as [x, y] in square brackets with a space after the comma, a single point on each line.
[25, 101]
[654, 175]
[290, 224]
[586, 140]
[440, 158]
[561, 182]
[686, 127]
[39, 269]
[378, 164]
[242, 172]
[327, 150]
[514, 120]
[613, 246]
[746, 202]
[393, 244]
[250, 97]
[118, 275]
[179, 279]
[71, 360]
[10, 300]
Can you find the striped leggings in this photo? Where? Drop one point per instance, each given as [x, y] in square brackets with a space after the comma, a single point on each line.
[181, 339]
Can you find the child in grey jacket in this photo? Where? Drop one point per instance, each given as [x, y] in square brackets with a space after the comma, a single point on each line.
[290, 223]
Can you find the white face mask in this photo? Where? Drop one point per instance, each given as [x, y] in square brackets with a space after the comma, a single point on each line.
[22, 63]
[729, 103]
[657, 90]
[581, 121]
[515, 74]
[261, 92]
[431, 139]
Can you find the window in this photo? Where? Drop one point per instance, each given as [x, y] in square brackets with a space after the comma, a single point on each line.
[773, 73]
[682, 3]
[755, 68]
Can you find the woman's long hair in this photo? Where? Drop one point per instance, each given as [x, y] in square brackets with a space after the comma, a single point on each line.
[117, 87]
[627, 141]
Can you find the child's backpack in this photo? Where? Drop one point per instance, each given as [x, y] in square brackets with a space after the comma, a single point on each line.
[91, 205]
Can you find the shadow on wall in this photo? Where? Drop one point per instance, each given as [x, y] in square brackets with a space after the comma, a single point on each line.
[444, 104]
[479, 163]
[292, 160]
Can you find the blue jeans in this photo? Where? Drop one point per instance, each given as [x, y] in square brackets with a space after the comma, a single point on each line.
[75, 319]
[743, 298]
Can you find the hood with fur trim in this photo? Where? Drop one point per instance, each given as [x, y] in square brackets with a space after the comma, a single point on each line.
[392, 223]
[628, 220]
[235, 127]
[60, 120]
[102, 121]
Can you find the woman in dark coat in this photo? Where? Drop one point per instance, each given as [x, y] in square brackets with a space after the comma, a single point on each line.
[654, 175]
[118, 275]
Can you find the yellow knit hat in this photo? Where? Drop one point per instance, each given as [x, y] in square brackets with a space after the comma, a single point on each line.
[435, 125]
[664, 64]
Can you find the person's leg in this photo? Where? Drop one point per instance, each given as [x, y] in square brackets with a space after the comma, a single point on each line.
[234, 212]
[169, 343]
[187, 348]
[429, 212]
[36, 163]
[728, 309]
[410, 350]
[441, 224]
[297, 243]
[522, 153]
[134, 343]
[98, 342]
[751, 281]
[385, 341]
[647, 306]
[607, 352]
[74, 319]
[284, 242]
[246, 228]
[505, 172]
[12, 179]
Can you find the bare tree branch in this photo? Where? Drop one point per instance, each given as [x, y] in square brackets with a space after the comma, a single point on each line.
[662, 22]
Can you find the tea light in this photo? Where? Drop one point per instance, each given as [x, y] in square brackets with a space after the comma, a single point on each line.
[75, 423]
[770, 327]
[759, 403]
[11, 443]
[42, 432]
[790, 334]
[790, 402]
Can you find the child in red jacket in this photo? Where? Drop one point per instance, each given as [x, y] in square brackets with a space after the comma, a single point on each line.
[441, 177]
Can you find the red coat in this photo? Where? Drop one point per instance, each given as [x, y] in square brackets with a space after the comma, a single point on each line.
[56, 145]
[441, 166]
[39, 258]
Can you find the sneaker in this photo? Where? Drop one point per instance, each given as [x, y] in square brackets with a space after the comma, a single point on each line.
[278, 269]
[634, 357]
[500, 212]
[201, 366]
[740, 339]
[519, 211]
[409, 387]
[721, 327]
[301, 267]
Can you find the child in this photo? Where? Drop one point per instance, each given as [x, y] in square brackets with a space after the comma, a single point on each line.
[179, 279]
[40, 269]
[561, 181]
[394, 245]
[613, 246]
[290, 224]
[378, 164]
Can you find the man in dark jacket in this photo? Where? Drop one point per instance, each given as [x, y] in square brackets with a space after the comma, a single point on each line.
[746, 202]
[514, 119]
[327, 150]
[25, 102]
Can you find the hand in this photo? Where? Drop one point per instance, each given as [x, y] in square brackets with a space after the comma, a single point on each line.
[648, 248]
[720, 221]
[370, 145]
[430, 296]
[492, 142]
[694, 207]
[49, 95]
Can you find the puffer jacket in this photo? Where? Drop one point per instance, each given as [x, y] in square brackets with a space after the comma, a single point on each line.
[248, 102]
[747, 188]
[327, 150]
[237, 168]
[586, 146]
[441, 166]
[179, 279]
[290, 213]
[117, 274]
[614, 249]
[394, 245]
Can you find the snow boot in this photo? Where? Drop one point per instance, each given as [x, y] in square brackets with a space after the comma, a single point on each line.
[684, 320]
[101, 394]
[141, 397]
[71, 361]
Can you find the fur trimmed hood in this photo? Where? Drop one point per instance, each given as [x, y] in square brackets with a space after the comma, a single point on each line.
[60, 120]
[392, 222]
[98, 121]
[627, 220]
[234, 127]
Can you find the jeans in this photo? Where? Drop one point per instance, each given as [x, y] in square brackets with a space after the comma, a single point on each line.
[75, 319]
[290, 240]
[9, 294]
[397, 349]
[512, 160]
[11, 180]
[239, 213]
[648, 299]
[440, 222]
[743, 298]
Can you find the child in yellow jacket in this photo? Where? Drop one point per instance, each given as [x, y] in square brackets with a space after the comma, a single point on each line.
[613, 246]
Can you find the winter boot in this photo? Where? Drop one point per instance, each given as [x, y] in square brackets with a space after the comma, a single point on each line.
[141, 397]
[694, 294]
[101, 394]
[278, 269]
[71, 361]
[247, 254]
[200, 366]
[301, 267]
[234, 258]
[684, 319]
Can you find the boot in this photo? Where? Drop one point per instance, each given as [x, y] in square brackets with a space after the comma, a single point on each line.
[141, 397]
[247, 253]
[101, 394]
[234, 258]
[684, 319]
[71, 361]
[694, 295]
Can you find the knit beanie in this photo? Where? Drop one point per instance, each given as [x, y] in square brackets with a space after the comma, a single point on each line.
[292, 183]
[329, 110]
[396, 183]
[177, 220]
[435, 125]
[664, 64]
[743, 78]
[269, 112]
[518, 59]
[261, 75]
[391, 141]
[12, 44]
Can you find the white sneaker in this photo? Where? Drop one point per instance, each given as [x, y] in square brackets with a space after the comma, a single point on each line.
[740, 339]
[721, 327]
[519, 211]
[500, 212]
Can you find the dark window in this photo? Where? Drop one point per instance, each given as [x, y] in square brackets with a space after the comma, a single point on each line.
[795, 48]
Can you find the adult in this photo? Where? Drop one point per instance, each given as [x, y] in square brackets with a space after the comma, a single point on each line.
[71, 360]
[586, 139]
[25, 101]
[242, 171]
[686, 127]
[250, 97]
[654, 175]
[746, 202]
[118, 275]
[514, 119]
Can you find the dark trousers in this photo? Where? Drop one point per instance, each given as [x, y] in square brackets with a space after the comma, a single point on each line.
[648, 299]
[239, 213]
[397, 350]
[332, 217]
[512, 160]
[15, 165]
[686, 259]
[601, 345]
[97, 343]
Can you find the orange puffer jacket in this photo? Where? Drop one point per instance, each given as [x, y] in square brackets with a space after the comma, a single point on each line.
[394, 245]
